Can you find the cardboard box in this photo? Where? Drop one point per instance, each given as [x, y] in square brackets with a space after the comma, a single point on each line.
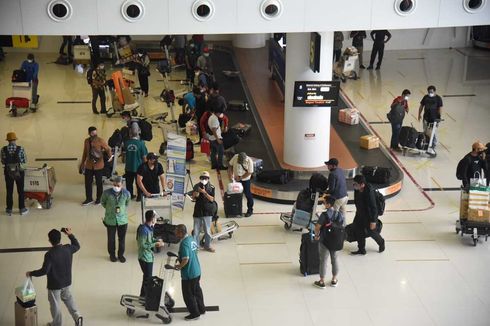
[464, 205]
[479, 215]
[349, 116]
[369, 142]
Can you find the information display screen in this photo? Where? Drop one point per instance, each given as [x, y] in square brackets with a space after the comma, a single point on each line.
[316, 93]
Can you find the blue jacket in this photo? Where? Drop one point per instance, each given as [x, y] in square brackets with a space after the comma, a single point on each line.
[31, 69]
[337, 187]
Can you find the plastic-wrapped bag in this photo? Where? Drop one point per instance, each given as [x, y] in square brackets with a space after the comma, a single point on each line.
[26, 292]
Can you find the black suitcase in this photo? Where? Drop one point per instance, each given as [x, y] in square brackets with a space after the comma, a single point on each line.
[189, 150]
[166, 232]
[318, 182]
[309, 260]
[233, 204]
[350, 232]
[230, 139]
[237, 105]
[242, 129]
[408, 137]
[19, 76]
[153, 294]
[376, 174]
[305, 200]
[275, 176]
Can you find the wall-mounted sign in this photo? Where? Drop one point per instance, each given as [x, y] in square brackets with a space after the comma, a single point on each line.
[316, 93]
[310, 136]
[25, 41]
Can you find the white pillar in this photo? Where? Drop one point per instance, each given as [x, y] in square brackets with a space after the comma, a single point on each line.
[249, 41]
[299, 150]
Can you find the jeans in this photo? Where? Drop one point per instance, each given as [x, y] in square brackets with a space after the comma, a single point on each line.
[361, 237]
[55, 297]
[379, 50]
[248, 194]
[111, 239]
[98, 92]
[216, 150]
[89, 178]
[193, 297]
[130, 179]
[198, 222]
[339, 206]
[147, 269]
[359, 51]
[395, 135]
[9, 182]
[324, 253]
[426, 128]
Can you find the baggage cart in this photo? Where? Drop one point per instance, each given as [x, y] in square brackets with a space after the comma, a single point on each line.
[161, 204]
[136, 305]
[347, 67]
[21, 100]
[300, 218]
[225, 233]
[424, 144]
[39, 185]
[475, 226]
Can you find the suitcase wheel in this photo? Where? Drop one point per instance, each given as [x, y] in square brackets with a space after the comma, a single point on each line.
[287, 226]
[129, 312]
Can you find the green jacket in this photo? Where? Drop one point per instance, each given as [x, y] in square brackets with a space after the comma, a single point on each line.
[110, 200]
[146, 242]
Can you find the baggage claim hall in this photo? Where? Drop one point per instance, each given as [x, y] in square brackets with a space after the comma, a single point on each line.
[259, 162]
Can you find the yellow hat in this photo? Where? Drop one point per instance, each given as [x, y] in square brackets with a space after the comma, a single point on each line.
[11, 136]
[478, 146]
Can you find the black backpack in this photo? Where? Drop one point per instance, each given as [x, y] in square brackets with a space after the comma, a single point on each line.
[19, 76]
[12, 163]
[90, 77]
[145, 127]
[116, 139]
[318, 182]
[461, 168]
[380, 202]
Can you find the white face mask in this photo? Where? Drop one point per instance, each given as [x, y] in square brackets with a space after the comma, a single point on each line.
[116, 188]
[431, 94]
[221, 116]
[204, 182]
[406, 98]
[140, 54]
[206, 54]
[30, 61]
[101, 67]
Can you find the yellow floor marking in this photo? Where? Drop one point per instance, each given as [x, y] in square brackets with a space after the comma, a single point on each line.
[437, 183]
[450, 117]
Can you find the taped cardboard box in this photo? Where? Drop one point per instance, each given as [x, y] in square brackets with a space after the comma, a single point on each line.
[464, 205]
[479, 215]
[349, 116]
[369, 142]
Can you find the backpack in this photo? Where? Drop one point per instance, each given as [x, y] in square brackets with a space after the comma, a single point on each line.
[90, 77]
[318, 182]
[461, 168]
[380, 202]
[116, 139]
[145, 127]
[19, 76]
[12, 163]
[189, 150]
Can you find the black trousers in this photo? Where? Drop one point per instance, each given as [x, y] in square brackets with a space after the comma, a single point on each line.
[147, 269]
[89, 179]
[98, 93]
[337, 53]
[143, 79]
[378, 49]
[248, 194]
[67, 41]
[9, 182]
[130, 179]
[361, 236]
[111, 239]
[193, 298]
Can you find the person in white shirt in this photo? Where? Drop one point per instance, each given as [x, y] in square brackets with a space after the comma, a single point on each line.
[215, 138]
[241, 168]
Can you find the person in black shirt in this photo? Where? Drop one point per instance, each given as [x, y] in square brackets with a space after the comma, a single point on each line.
[431, 104]
[358, 42]
[57, 266]
[379, 38]
[474, 163]
[204, 209]
[366, 217]
[150, 175]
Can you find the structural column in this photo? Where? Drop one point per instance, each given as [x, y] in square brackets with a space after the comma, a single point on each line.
[306, 129]
[249, 41]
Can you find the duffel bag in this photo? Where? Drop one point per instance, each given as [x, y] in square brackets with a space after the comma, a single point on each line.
[274, 176]
[376, 174]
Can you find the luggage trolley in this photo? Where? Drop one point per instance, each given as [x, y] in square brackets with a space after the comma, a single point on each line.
[161, 204]
[347, 67]
[225, 233]
[300, 218]
[21, 99]
[424, 141]
[158, 302]
[475, 228]
[39, 185]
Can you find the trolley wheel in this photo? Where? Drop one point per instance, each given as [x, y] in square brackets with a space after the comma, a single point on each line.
[287, 226]
[134, 113]
[129, 312]
[343, 79]
[13, 111]
[47, 203]
[230, 234]
[475, 240]
[165, 320]
[169, 302]
[354, 75]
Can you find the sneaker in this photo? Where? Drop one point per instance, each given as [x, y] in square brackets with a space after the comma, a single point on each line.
[362, 67]
[210, 249]
[79, 321]
[191, 317]
[97, 202]
[24, 211]
[334, 283]
[8, 212]
[113, 258]
[248, 214]
[319, 284]
[122, 259]
[358, 252]
[87, 202]
[370, 68]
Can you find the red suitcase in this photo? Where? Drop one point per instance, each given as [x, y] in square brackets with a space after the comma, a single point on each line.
[18, 102]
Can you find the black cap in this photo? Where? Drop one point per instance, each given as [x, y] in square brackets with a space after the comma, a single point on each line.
[332, 161]
[152, 156]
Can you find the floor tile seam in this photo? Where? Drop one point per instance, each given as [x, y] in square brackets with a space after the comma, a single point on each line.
[244, 288]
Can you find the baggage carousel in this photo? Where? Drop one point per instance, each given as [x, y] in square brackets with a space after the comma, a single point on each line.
[258, 143]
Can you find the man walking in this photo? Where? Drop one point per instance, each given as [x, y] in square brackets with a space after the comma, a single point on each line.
[204, 209]
[396, 115]
[190, 273]
[97, 82]
[31, 67]
[116, 201]
[14, 160]
[136, 152]
[358, 42]
[380, 37]
[431, 104]
[337, 186]
[57, 266]
[366, 218]
[241, 169]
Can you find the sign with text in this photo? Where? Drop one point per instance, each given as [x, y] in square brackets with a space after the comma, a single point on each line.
[316, 93]
[176, 169]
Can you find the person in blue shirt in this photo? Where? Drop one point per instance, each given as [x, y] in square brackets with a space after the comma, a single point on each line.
[31, 67]
[190, 100]
[190, 273]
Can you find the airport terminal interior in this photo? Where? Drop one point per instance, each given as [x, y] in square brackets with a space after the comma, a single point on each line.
[429, 273]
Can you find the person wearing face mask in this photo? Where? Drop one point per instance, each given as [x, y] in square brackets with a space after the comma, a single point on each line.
[216, 139]
[366, 218]
[431, 104]
[98, 81]
[215, 99]
[150, 176]
[241, 169]
[92, 164]
[398, 108]
[31, 67]
[200, 79]
[204, 62]
[190, 58]
[146, 244]
[473, 163]
[204, 209]
[143, 68]
[116, 201]
[337, 186]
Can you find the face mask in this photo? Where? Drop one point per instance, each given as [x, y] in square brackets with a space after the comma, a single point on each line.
[196, 74]
[204, 182]
[221, 116]
[116, 189]
[101, 67]
[431, 94]
[30, 61]
[206, 54]
[406, 98]
[140, 54]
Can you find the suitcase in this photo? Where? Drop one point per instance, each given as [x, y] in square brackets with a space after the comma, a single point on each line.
[422, 141]
[18, 102]
[189, 150]
[81, 53]
[237, 105]
[309, 260]
[25, 316]
[233, 204]
[205, 146]
[230, 139]
[258, 164]
[305, 201]
[350, 232]
[153, 294]
[375, 174]
[408, 137]
[166, 232]
[318, 182]
[242, 129]
[183, 118]
[274, 176]
[19, 76]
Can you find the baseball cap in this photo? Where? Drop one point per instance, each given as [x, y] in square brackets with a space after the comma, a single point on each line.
[478, 146]
[332, 161]
[152, 156]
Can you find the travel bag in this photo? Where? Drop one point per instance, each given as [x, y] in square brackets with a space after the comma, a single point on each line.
[305, 201]
[258, 164]
[234, 188]
[242, 129]
[376, 174]
[237, 105]
[333, 236]
[230, 139]
[318, 182]
[408, 137]
[274, 176]
[153, 293]
[166, 232]
[19, 76]
[189, 150]
[350, 232]
[18, 102]
[233, 204]
[309, 260]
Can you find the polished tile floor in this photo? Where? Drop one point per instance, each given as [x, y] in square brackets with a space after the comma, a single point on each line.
[426, 276]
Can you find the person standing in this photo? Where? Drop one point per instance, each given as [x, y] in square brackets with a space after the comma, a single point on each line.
[14, 160]
[337, 186]
[204, 61]
[116, 201]
[398, 109]
[204, 209]
[191, 56]
[431, 104]
[241, 169]
[199, 41]
[31, 67]
[132, 123]
[57, 266]
[216, 139]
[190, 273]
[474, 162]
[338, 39]
[97, 82]
[380, 37]
[67, 41]
[150, 176]
[216, 100]
[136, 152]
[366, 218]
[146, 244]
[93, 164]
[358, 42]
[143, 68]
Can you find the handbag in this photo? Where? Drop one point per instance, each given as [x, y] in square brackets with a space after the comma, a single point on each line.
[478, 182]
[333, 236]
